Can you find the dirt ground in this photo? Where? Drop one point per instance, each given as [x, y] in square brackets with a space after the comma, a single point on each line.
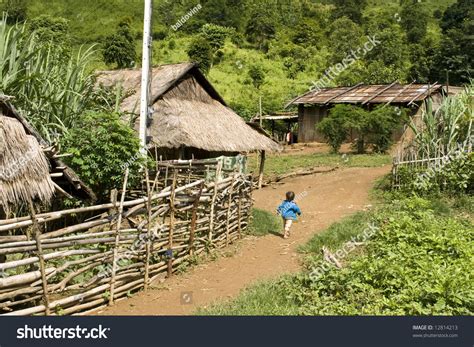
[328, 198]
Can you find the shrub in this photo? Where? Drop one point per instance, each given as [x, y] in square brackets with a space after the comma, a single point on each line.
[102, 147]
[372, 127]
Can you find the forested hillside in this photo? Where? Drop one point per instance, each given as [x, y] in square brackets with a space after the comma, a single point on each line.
[276, 49]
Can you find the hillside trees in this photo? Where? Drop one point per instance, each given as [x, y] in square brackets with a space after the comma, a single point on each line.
[456, 47]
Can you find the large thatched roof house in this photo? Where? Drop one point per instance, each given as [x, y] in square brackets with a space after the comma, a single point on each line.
[188, 113]
[27, 169]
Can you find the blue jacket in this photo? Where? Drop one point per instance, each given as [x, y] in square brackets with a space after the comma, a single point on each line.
[288, 210]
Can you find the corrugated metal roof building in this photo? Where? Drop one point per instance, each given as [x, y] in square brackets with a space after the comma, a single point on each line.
[314, 105]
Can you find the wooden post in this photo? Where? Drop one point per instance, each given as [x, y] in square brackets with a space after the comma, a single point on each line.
[148, 232]
[239, 215]
[117, 238]
[213, 202]
[261, 168]
[37, 236]
[193, 220]
[171, 231]
[227, 228]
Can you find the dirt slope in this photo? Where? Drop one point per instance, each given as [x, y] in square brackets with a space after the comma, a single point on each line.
[328, 197]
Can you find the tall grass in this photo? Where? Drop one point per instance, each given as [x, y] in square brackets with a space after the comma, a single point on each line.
[447, 127]
[52, 92]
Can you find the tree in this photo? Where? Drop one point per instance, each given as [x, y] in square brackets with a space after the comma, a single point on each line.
[119, 48]
[16, 10]
[456, 47]
[344, 36]
[201, 51]
[414, 20]
[349, 8]
[102, 146]
[216, 34]
[257, 75]
[260, 27]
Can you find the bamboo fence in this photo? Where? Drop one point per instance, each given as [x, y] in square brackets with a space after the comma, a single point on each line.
[412, 163]
[190, 207]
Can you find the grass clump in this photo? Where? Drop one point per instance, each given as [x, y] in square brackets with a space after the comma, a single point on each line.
[263, 223]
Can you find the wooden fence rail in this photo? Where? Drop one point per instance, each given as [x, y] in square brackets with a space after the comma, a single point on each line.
[124, 247]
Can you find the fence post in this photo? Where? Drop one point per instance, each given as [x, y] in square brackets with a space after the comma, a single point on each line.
[229, 201]
[117, 238]
[39, 247]
[213, 202]
[194, 220]
[148, 231]
[170, 254]
[239, 214]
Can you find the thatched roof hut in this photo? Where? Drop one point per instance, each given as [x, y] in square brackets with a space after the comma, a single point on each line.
[26, 167]
[187, 111]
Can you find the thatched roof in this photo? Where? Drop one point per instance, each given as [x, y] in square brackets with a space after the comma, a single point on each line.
[188, 111]
[25, 167]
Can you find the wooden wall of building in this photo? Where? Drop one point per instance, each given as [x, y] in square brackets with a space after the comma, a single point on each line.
[308, 117]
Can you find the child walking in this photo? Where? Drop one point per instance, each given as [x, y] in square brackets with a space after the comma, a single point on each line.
[288, 210]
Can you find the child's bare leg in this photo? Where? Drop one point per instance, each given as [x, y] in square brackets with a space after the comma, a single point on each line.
[288, 223]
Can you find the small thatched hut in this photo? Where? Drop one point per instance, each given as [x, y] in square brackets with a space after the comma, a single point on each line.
[189, 117]
[28, 171]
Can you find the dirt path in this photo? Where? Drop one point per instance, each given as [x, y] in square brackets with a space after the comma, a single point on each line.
[329, 197]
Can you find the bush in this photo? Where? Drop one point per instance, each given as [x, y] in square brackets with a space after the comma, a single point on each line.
[334, 127]
[373, 127]
[102, 147]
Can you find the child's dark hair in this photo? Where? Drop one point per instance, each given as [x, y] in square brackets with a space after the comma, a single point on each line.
[290, 196]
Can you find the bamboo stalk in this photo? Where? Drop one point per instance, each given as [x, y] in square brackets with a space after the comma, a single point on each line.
[148, 245]
[170, 233]
[117, 238]
[42, 266]
[193, 220]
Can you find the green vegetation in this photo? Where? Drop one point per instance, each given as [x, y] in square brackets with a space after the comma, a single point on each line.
[418, 262]
[281, 164]
[51, 90]
[373, 128]
[102, 145]
[119, 48]
[263, 222]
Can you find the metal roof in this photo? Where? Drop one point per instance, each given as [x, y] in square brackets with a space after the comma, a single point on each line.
[368, 94]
